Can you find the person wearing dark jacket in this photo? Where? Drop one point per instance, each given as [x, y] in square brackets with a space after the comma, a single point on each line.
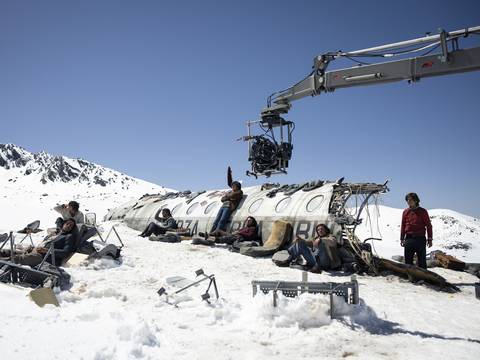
[415, 223]
[166, 223]
[230, 202]
[248, 233]
[63, 245]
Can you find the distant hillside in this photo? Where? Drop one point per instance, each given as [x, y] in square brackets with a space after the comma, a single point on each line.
[31, 184]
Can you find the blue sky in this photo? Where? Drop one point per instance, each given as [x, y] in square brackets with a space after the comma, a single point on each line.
[161, 90]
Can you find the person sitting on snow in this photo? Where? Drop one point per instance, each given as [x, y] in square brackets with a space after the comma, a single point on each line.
[248, 233]
[230, 202]
[63, 244]
[69, 211]
[166, 223]
[319, 253]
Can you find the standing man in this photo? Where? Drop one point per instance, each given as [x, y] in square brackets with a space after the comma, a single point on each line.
[415, 222]
[69, 211]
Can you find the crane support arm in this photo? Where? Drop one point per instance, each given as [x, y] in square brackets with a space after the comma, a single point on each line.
[411, 69]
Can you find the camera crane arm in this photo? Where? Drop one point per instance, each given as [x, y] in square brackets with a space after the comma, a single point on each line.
[270, 154]
[448, 61]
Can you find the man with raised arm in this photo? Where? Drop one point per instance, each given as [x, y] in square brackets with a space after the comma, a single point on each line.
[69, 211]
[230, 202]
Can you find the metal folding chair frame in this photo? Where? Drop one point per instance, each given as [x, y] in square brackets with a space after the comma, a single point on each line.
[18, 274]
[206, 296]
[347, 290]
[112, 229]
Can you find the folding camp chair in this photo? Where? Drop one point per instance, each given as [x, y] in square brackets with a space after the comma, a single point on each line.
[91, 220]
[29, 229]
[84, 247]
[38, 276]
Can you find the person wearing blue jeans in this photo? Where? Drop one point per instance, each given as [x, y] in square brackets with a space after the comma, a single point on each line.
[319, 253]
[230, 202]
[221, 220]
[300, 248]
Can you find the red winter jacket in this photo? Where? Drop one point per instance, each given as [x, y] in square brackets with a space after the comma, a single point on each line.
[248, 233]
[414, 222]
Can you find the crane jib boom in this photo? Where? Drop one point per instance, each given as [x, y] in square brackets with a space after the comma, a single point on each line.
[411, 69]
[271, 151]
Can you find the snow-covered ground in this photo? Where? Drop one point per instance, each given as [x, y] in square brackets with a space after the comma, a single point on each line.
[113, 310]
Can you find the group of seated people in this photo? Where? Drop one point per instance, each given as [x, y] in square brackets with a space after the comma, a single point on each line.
[230, 202]
[63, 238]
[323, 252]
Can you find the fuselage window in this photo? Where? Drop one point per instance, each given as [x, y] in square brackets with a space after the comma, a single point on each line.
[315, 203]
[210, 207]
[176, 208]
[255, 206]
[283, 204]
[192, 208]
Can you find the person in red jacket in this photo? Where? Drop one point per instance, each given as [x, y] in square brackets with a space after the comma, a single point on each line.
[415, 223]
[248, 233]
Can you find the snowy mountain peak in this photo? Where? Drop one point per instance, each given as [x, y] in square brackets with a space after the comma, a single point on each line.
[44, 168]
[12, 156]
[33, 183]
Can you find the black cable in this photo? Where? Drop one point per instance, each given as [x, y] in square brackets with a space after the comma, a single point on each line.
[358, 61]
[269, 99]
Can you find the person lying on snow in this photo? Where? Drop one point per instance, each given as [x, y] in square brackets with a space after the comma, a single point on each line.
[320, 253]
[69, 211]
[166, 223]
[230, 202]
[248, 233]
[63, 243]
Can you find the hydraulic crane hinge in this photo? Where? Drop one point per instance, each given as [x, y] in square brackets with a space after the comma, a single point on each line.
[443, 42]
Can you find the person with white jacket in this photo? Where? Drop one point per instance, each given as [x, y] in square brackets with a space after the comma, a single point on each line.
[69, 211]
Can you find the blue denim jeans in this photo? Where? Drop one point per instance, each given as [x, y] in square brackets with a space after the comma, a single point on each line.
[300, 248]
[313, 257]
[221, 220]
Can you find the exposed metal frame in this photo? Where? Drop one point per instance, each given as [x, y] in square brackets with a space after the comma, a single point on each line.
[349, 291]
[206, 296]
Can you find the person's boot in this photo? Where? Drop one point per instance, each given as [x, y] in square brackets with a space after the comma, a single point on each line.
[203, 234]
[219, 240]
[315, 269]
